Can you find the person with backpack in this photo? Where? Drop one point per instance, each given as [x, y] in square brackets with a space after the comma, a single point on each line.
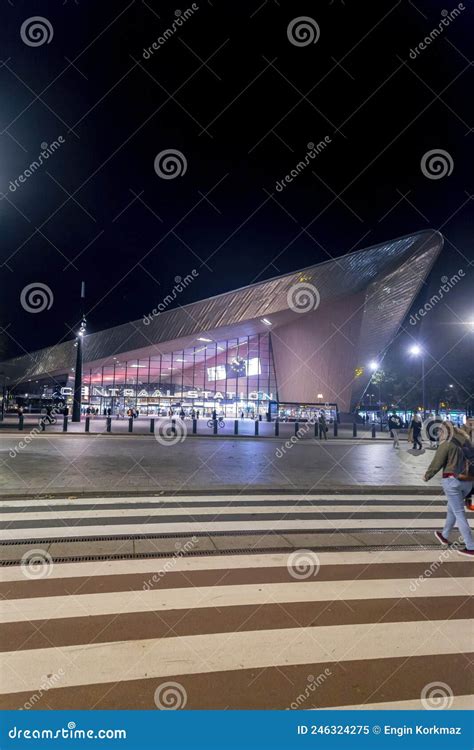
[394, 425]
[450, 458]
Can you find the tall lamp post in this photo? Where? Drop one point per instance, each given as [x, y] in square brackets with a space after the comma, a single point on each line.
[418, 351]
[76, 406]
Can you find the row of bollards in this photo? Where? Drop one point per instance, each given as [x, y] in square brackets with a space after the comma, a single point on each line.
[299, 431]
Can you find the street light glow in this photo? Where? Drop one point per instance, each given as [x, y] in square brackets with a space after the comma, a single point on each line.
[416, 350]
[374, 365]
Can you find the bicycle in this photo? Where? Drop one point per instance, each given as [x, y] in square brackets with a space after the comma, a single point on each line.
[220, 423]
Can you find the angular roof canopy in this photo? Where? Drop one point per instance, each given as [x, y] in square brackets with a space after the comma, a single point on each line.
[240, 312]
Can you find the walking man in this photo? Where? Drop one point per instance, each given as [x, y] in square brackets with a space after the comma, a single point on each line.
[394, 424]
[449, 458]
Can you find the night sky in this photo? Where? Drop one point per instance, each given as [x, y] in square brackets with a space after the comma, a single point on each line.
[232, 92]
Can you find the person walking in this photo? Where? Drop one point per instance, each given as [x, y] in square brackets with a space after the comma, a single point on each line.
[414, 432]
[322, 426]
[394, 425]
[450, 458]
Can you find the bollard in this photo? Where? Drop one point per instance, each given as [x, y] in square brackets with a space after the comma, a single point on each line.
[173, 426]
[215, 426]
[236, 426]
[65, 423]
[88, 424]
[130, 424]
[20, 421]
[256, 427]
[297, 427]
[195, 426]
[152, 426]
[277, 428]
[373, 429]
[108, 424]
[316, 429]
[335, 428]
[354, 429]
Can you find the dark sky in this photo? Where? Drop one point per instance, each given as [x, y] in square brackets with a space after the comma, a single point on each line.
[240, 101]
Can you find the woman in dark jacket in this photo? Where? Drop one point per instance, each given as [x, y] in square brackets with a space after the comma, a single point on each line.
[415, 432]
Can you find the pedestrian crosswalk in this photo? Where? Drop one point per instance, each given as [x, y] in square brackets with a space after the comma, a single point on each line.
[328, 620]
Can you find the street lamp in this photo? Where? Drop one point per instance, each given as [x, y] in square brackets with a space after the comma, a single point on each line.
[76, 404]
[417, 351]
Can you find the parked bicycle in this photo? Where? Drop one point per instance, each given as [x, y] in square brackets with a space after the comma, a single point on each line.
[220, 423]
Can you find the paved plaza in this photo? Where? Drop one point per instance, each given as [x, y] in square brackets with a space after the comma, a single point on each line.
[54, 462]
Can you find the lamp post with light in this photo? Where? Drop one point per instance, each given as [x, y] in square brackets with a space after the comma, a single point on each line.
[76, 406]
[417, 351]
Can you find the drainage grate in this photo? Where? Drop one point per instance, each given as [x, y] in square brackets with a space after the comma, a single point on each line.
[242, 551]
[190, 534]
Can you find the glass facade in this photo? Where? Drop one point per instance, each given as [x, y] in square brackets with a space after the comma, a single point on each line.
[233, 376]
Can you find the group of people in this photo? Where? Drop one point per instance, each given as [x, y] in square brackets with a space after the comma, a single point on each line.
[415, 427]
